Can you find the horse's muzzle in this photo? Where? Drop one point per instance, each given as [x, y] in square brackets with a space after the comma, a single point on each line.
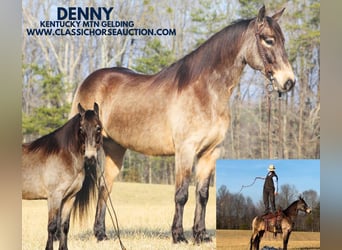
[289, 84]
[89, 162]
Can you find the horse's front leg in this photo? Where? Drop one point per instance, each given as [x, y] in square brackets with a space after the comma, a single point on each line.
[113, 162]
[65, 222]
[183, 159]
[52, 228]
[205, 166]
[54, 204]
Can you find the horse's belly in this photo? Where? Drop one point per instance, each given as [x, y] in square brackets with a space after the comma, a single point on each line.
[140, 127]
[32, 188]
[152, 141]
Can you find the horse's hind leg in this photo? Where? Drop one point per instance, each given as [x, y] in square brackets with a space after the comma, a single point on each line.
[252, 241]
[113, 161]
[204, 169]
[260, 235]
[184, 159]
[286, 236]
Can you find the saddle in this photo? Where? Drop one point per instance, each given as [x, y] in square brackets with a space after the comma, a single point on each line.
[273, 221]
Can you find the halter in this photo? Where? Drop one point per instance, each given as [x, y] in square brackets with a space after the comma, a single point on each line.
[267, 66]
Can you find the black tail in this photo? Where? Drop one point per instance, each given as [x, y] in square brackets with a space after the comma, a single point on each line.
[88, 190]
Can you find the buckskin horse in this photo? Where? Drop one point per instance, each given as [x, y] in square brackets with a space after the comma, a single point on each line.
[183, 110]
[62, 168]
[287, 217]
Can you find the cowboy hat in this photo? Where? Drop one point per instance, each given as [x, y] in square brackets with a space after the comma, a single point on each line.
[271, 167]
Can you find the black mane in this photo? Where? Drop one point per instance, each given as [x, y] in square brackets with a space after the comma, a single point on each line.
[218, 50]
[64, 137]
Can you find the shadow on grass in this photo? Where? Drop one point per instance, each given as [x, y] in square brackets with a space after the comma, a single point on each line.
[300, 248]
[142, 233]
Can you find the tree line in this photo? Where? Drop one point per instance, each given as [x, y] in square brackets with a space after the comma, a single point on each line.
[54, 66]
[235, 211]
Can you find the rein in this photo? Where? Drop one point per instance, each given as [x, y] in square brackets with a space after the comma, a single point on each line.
[115, 223]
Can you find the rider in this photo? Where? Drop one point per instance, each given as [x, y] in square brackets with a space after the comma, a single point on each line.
[270, 189]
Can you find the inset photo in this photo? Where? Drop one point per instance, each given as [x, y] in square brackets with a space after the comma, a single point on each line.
[268, 204]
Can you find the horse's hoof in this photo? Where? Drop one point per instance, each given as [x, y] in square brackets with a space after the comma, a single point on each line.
[101, 237]
[202, 237]
[179, 239]
[178, 235]
[182, 240]
[207, 238]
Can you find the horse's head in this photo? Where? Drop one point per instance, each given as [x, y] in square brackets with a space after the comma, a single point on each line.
[265, 51]
[90, 133]
[302, 206]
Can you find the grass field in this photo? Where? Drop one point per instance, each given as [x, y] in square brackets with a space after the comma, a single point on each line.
[145, 214]
[239, 239]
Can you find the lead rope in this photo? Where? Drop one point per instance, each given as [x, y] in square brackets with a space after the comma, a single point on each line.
[281, 149]
[269, 87]
[115, 223]
[269, 144]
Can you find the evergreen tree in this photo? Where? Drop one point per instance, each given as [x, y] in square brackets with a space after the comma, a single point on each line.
[154, 58]
[52, 111]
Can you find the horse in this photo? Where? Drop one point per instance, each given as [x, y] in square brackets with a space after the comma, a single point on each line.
[62, 168]
[183, 109]
[286, 222]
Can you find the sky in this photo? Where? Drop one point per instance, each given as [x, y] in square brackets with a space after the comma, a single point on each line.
[302, 174]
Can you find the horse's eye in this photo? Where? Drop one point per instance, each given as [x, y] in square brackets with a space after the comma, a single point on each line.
[98, 129]
[269, 41]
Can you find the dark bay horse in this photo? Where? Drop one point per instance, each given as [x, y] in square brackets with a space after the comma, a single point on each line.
[62, 168]
[260, 225]
[183, 110]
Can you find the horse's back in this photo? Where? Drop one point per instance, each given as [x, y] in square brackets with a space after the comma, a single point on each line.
[132, 109]
[103, 83]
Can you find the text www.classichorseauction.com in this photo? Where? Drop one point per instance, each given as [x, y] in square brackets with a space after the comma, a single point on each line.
[90, 21]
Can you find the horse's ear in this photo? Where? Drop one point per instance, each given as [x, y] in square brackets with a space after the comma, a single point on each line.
[261, 14]
[96, 108]
[277, 15]
[80, 109]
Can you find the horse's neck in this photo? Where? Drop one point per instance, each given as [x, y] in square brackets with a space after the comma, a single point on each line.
[225, 74]
[291, 211]
[67, 135]
[220, 83]
[216, 66]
